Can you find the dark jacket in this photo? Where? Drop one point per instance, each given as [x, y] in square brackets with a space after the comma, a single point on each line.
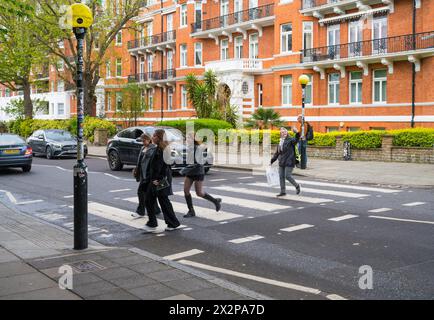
[143, 163]
[159, 169]
[286, 154]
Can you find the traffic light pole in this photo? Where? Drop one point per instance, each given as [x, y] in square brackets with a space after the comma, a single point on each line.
[303, 133]
[80, 169]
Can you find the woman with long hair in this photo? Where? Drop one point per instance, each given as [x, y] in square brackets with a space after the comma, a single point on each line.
[195, 174]
[160, 186]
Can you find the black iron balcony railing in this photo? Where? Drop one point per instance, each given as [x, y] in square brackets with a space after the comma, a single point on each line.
[408, 42]
[309, 4]
[152, 76]
[234, 18]
[152, 40]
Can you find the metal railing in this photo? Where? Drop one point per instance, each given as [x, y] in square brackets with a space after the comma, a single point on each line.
[152, 40]
[234, 18]
[152, 76]
[408, 42]
[309, 4]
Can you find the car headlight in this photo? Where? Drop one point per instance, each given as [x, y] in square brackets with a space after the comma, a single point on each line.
[57, 146]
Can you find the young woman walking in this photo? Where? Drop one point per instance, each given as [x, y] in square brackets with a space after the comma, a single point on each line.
[160, 186]
[195, 174]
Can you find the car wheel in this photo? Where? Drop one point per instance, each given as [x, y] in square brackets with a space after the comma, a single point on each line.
[27, 168]
[49, 153]
[114, 161]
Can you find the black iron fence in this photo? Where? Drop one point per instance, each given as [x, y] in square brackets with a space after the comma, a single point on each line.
[234, 18]
[152, 76]
[152, 40]
[408, 42]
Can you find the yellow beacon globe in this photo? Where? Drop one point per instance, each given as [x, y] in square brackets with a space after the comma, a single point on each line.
[81, 15]
[303, 80]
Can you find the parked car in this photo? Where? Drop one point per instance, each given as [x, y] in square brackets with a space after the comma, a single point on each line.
[14, 152]
[54, 143]
[124, 148]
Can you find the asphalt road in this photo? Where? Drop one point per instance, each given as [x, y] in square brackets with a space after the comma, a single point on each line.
[310, 246]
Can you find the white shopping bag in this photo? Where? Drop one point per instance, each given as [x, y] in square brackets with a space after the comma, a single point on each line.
[272, 176]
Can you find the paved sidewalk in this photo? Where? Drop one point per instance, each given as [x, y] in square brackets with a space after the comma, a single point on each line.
[384, 173]
[31, 252]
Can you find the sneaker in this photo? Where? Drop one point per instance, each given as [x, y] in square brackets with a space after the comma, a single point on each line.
[297, 189]
[136, 215]
[281, 194]
[148, 229]
[190, 214]
[171, 228]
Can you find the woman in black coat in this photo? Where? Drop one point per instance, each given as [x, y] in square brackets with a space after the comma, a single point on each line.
[160, 186]
[195, 173]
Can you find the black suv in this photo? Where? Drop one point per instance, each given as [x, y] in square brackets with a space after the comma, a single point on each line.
[124, 148]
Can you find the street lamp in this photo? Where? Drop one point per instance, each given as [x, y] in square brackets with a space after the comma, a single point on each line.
[303, 80]
[80, 18]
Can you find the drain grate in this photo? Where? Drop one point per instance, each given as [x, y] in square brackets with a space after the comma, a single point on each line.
[86, 266]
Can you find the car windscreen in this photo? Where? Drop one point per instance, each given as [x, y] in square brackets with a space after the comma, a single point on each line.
[8, 139]
[173, 135]
[59, 135]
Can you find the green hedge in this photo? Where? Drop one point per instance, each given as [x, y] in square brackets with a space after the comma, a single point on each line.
[212, 124]
[25, 128]
[419, 137]
[364, 139]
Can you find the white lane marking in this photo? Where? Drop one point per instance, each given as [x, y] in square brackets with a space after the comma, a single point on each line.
[201, 212]
[120, 190]
[184, 254]
[217, 180]
[404, 220]
[117, 178]
[106, 235]
[272, 195]
[29, 202]
[50, 216]
[68, 197]
[282, 284]
[187, 229]
[345, 217]
[296, 228]
[243, 178]
[10, 196]
[246, 203]
[97, 157]
[121, 216]
[379, 210]
[335, 297]
[246, 239]
[319, 191]
[224, 222]
[346, 186]
[412, 204]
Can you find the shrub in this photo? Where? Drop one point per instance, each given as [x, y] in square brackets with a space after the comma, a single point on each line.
[324, 139]
[90, 124]
[253, 136]
[211, 124]
[364, 139]
[419, 137]
[3, 127]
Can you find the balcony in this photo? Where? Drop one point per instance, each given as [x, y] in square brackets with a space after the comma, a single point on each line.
[384, 50]
[320, 8]
[241, 21]
[153, 77]
[234, 65]
[152, 43]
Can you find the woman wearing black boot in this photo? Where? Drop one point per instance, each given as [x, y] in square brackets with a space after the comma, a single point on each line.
[195, 174]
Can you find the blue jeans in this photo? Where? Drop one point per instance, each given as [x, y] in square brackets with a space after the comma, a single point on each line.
[302, 148]
[286, 173]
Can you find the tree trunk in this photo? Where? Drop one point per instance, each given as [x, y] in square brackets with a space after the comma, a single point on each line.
[28, 104]
[89, 96]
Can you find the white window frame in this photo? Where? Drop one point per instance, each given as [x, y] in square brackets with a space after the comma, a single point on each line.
[260, 94]
[169, 57]
[238, 47]
[224, 49]
[307, 31]
[58, 112]
[183, 16]
[310, 84]
[119, 39]
[169, 99]
[357, 82]
[287, 86]
[284, 36]
[150, 100]
[184, 97]
[117, 65]
[381, 80]
[183, 59]
[109, 101]
[169, 22]
[334, 84]
[118, 98]
[60, 86]
[256, 47]
[198, 49]
[108, 71]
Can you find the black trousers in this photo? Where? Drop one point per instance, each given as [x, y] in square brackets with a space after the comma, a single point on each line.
[141, 193]
[166, 207]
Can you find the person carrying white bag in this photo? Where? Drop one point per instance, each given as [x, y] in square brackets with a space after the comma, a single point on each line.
[287, 159]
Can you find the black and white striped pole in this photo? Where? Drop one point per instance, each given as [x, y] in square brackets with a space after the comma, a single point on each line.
[81, 20]
[303, 80]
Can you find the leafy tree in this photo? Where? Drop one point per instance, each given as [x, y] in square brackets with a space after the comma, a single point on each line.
[16, 108]
[108, 22]
[20, 51]
[16, 7]
[133, 105]
[264, 119]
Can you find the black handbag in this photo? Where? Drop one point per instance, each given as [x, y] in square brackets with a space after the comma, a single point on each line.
[163, 184]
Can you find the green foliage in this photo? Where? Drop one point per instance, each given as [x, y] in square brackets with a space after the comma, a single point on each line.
[324, 139]
[16, 110]
[133, 105]
[252, 136]
[264, 119]
[364, 139]
[3, 127]
[211, 124]
[26, 127]
[419, 137]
